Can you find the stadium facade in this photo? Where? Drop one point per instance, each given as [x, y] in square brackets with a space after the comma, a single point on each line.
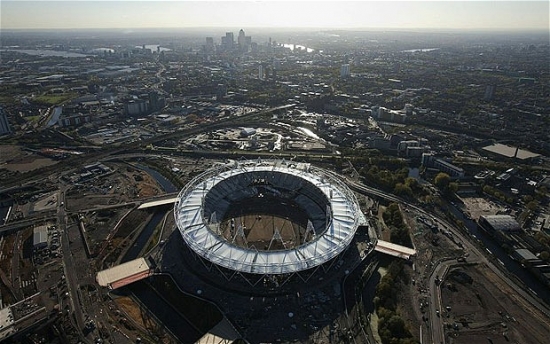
[267, 218]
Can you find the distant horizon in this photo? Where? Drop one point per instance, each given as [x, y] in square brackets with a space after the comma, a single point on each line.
[314, 15]
[245, 28]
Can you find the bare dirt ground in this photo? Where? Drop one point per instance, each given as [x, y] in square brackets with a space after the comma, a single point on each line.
[48, 202]
[430, 246]
[486, 308]
[13, 158]
[132, 310]
[125, 184]
[477, 206]
[140, 318]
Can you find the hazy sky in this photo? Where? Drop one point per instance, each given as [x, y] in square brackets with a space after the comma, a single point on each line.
[450, 14]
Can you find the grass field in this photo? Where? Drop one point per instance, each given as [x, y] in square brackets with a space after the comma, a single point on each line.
[54, 99]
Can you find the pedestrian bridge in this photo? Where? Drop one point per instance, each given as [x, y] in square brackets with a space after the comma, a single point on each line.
[157, 203]
[394, 249]
[123, 274]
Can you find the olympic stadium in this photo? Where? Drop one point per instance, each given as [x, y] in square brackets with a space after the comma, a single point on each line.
[275, 219]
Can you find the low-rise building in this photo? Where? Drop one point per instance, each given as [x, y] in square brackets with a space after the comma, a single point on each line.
[429, 160]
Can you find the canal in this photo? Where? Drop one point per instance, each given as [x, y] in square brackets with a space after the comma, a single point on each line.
[186, 316]
[145, 234]
[159, 214]
[164, 183]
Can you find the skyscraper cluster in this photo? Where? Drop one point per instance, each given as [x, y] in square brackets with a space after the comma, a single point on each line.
[243, 43]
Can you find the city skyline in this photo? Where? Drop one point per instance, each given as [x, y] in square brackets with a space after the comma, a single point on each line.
[486, 15]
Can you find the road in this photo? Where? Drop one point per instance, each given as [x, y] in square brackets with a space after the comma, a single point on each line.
[436, 305]
[474, 254]
[15, 277]
[34, 219]
[68, 264]
[471, 249]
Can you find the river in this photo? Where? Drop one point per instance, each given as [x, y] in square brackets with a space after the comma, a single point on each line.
[309, 133]
[145, 234]
[47, 53]
[159, 214]
[3, 214]
[422, 50]
[297, 46]
[165, 184]
[57, 111]
[153, 47]
[185, 316]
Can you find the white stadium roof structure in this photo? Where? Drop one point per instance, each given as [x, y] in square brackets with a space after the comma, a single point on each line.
[331, 207]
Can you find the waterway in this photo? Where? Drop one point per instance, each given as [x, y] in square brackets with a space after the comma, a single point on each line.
[164, 312]
[153, 47]
[3, 214]
[145, 234]
[511, 265]
[309, 133]
[159, 214]
[5, 205]
[103, 50]
[185, 316]
[57, 111]
[298, 46]
[164, 183]
[47, 53]
[422, 50]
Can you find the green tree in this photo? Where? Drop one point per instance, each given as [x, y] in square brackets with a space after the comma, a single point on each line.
[384, 288]
[396, 325]
[402, 190]
[442, 180]
[453, 187]
[532, 206]
[542, 238]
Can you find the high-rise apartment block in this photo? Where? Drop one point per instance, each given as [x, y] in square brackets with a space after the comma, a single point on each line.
[4, 124]
[344, 71]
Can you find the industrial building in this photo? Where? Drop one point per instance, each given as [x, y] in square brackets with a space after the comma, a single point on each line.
[510, 152]
[499, 223]
[40, 238]
[500, 227]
